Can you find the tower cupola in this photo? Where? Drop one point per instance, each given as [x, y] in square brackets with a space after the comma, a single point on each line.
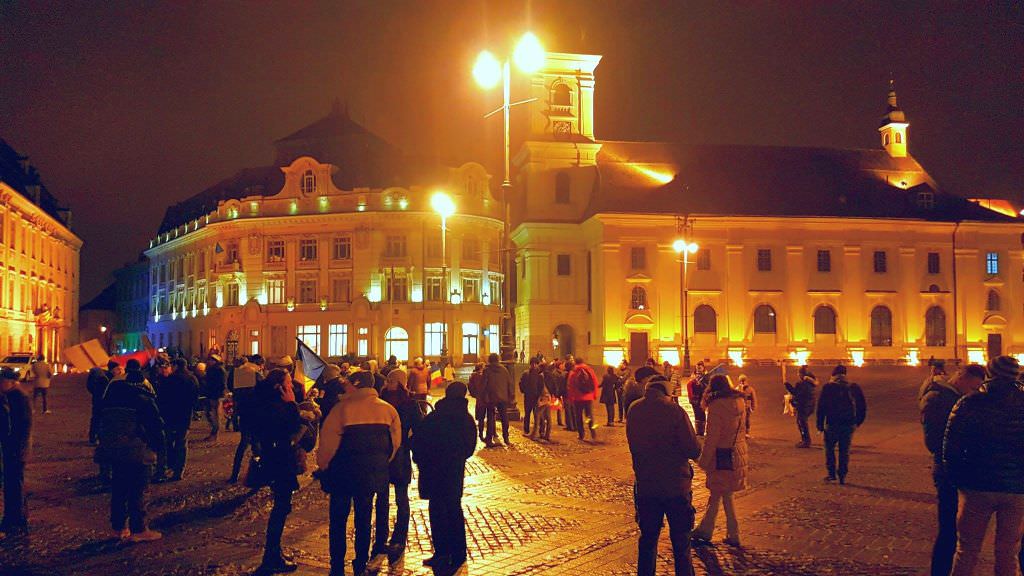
[893, 129]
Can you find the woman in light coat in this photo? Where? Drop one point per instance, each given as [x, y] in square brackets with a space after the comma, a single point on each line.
[726, 414]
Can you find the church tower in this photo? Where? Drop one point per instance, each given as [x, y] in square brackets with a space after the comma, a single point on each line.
[893, 129]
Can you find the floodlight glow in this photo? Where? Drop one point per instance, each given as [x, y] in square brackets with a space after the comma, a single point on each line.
[442, 204]
[487, 70]
[529, 54]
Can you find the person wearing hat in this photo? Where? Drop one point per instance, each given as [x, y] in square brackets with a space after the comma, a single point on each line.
[400, 468]
[177, 392]
[441, 444]
[360, 436]
[982, 456]
[213, 387]
[662, 442]
[331, 388]
[695, 389]
[841, 410]
[15, 430]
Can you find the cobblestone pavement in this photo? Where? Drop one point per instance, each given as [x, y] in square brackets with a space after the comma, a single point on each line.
[559, 507]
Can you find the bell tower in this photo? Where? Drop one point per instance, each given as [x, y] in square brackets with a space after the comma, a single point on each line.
[563, 109]
[893, 129]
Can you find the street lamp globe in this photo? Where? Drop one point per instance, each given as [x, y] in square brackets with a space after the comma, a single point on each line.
[442, 204]
[487, 70]
[679, 246]
[529, 54]
[692, 247]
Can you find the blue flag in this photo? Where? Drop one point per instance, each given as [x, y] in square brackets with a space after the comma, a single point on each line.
[307, 364]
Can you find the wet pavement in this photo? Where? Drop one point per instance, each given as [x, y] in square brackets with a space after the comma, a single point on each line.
[559, 507]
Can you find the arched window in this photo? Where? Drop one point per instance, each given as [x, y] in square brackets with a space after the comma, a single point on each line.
[561, 95]
[562, 188]
[764, 319]
[638, 299]
[824, 320]
[396, 343]
[308, 183]
[881, 326]
[885, 139]
[899, 138]
[992, 303]
[705, 321]
[935, 327]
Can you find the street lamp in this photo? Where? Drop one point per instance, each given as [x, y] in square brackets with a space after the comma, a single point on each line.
[684, 248]
[445, 207]
[488, 72]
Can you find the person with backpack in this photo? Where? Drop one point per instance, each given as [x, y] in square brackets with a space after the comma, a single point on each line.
[582, 391]
[695, 389]
[131, 434]
[15, 432]
[802, 400]
[841, 410]
[531, 383]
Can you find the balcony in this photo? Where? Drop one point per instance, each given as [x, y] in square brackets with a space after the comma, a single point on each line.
[229, 267]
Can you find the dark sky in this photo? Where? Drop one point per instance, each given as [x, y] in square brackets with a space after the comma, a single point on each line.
[128, 107]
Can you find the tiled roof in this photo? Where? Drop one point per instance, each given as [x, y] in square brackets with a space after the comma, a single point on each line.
[20, 178]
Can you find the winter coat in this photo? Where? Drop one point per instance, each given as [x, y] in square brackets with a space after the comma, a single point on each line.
[130, 428]
[577, 375]
[41, 374]
[332, 395]
[608, 385]
[96, 384]
[551, 381]
[725, 417]
[661, 442]
[803, 396]
[561, 383]
[245, 377]
[15, 424]
[359, 438]
[936, 402]
[419, 380]
[400, 468]
[216, 382]
[695, 389]
[496, 386]
[531, 383]
[475, 383]
[176, 396]
[749, 396]
[441, 444]
[985, 439]
[279, 429]
[841, 404]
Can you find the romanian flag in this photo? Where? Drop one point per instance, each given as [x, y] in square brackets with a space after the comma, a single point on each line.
[308, 366]
[437, 375]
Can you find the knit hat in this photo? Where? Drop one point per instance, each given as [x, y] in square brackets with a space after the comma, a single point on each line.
[455, 390]
[361, 379]
[331, 371]
[658, 381]
[398, 375]
[839, 369]
[644, 372]
[1005, 367]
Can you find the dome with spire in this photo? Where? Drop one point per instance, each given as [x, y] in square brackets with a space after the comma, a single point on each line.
[893, 112]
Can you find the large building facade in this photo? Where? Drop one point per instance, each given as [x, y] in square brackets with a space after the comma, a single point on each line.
[39, 259]
[336, 243]
[802, 253]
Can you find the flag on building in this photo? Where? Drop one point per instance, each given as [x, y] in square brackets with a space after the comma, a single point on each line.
[218, 248]
[308, 366]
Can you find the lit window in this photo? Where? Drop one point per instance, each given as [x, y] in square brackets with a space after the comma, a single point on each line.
[433, 338]
[275, 250]
[433, 289]
[308, 250]
[638, 257]
[232, 294]
[337, 340]
[824, 261]
[495, 292]
[308, 182]
[342, 248]
[470, 339]
[638, 298]
[764, 260]
[470, 289]
[764, 319]
[992, 263]
[880, 263]
[564, 265]
[310, 336]
[396, 343]
[275, 291]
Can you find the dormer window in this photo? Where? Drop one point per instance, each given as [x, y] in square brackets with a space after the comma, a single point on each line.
[926, 200]
[308, 183]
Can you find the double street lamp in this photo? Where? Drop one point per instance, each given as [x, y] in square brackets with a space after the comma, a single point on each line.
[445, 207]
[684, 248]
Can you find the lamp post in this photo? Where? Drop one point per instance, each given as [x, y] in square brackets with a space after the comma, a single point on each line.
[445, 207]
[684, 248]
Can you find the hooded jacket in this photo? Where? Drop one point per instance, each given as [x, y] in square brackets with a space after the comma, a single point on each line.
[176, 396]
[496, 385]
[985, 439]
[662, 442]
[841, 404]
[360, 436]
[130, 428]
[725, 430]
[400, 468]
[441, 444]
[572, 383]
[936, 402]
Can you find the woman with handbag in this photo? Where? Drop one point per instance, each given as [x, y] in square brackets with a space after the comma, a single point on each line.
[723, 458]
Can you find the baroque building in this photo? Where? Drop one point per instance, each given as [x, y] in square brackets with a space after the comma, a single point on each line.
[825, 254]
[335, 243]
[39, 260]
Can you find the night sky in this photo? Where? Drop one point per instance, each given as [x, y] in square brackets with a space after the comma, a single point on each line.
[126, 108]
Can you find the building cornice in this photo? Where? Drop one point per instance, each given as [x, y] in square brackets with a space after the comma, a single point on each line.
[37, 216]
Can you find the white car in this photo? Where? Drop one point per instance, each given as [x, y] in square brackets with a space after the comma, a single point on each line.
[19, 362]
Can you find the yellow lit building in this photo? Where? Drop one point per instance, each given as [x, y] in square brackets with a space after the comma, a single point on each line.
[804, 253]
[39, 257]
[335, 243]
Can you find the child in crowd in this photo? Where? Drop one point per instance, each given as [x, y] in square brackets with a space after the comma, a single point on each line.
[543, 415]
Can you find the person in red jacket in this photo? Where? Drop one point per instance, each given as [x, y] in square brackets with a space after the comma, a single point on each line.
[582, 391]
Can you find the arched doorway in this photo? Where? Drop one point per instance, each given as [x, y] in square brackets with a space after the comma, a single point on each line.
[396, 343]
[562, 340]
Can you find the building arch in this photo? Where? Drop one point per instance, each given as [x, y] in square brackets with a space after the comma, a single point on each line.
[765, 320]
[824, 320]
[396, 343]
[561, 94]
[935, 326]
[562, 339]
[638, 298]
[881, 326]
[993, 302]
[705, 320]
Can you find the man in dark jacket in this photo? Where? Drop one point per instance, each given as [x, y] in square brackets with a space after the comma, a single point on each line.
[662, 442]
[841, 410]
[131, 434]
[399, 472]
[982, 456]
[497, 391]
[15, 431]
[96, 383]
[803, 403]
[441, 444]
[176, 396]
[530, 384]
[936, 402]
[214, 386]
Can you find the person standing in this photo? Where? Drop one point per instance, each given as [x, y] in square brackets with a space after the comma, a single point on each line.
[15, 435]
[543, 413]
[802, 399]
[419, 379]
[131, 434]
[982, 456]
[497, 391]
[475, 389]
[608, 385]
[176, 396]
[243, 388]
[530, 384]
[214, 386]
[96, 383]
[582, 385]
[662, 442]
[441, 444]
[695, 389]
[624, 374]
[749, 399]
[936, 402]
[281, 426]
[42, 373]
[360, 436]
[399, 470]
[560, 376]
[841, 410]
[723, 458]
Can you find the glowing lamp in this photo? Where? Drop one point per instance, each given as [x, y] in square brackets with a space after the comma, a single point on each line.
[857, 357]
[912, 357]
[487, 70]
[799, 357]
[614, 357]
[670, 355]
[529, 54]
[976, 355]
[681, 246]
[442, 204]
[103, 329]
[736, 356]
[456, 297]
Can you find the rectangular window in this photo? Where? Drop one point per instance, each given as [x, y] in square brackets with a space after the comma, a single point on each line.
[275, 291]
[704, 259]
[363, 344]
[395, 247]
[202, 263]
[637, 258]
[824, 261]
[232, 254]
[494, 292]
[433, 246]
[433, 338]
[308, 250]
[307, 291]
[881, 265]
[564, 265]
[310, 336]
[470, 289]
[493, 338]
[471, 249]
[764, 260]
[232, 294]
[341, 290]
[337, 342]
[992, 263]
[933, 262]
[275, 250]
[342, 248]
[202, 296]
[397, 289]
[433, 289]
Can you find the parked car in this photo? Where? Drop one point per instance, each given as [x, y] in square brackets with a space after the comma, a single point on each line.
[19, 362]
